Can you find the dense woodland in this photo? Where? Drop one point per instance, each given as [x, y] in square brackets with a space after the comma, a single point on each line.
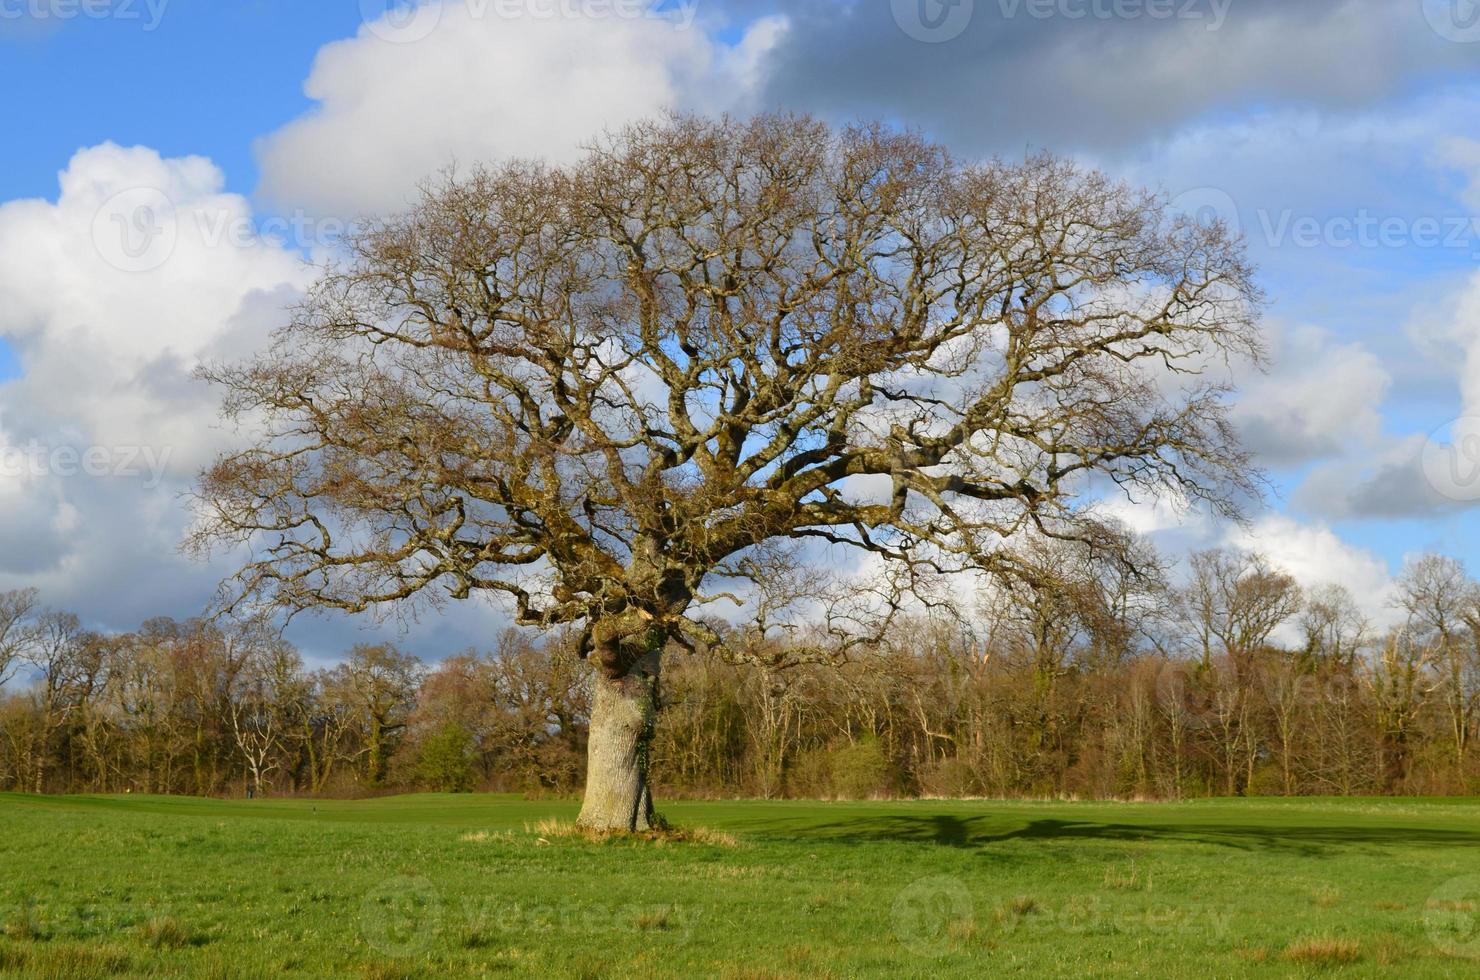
[1078, 682]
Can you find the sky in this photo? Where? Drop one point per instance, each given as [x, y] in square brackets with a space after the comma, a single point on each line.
[174, 167]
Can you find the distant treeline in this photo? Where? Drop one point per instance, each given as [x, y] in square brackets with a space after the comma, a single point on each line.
[1073, 682]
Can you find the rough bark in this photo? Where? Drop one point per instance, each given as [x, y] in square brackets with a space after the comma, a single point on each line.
[624, 708]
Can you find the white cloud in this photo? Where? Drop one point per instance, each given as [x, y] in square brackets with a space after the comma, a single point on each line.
[1155, 516]
[1310, 551]
[1315, 555]
[1320, 398]
[1457, 328]
[1426, 473]
[110, 296]
[480, 87]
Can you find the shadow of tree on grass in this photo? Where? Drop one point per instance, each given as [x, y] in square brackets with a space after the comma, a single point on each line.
[968, 832]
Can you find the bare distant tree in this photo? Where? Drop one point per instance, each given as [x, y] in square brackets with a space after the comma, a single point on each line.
[57, 650]
[1235, 602]
[16, 609]
[1333, 624]
[265, 701]
[598, 389]
[378, 685]
[1439, 599]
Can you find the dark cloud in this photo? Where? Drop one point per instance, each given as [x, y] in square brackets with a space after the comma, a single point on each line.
[1098, 74]
[1391, 486]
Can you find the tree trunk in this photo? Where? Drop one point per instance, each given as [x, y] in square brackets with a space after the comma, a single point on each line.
[623, 711]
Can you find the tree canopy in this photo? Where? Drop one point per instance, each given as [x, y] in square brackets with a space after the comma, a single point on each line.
[604, 390]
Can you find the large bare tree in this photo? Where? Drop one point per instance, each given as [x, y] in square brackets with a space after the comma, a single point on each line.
[604, 390]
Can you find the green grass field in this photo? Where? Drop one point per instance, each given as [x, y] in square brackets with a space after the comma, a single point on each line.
[470, 886]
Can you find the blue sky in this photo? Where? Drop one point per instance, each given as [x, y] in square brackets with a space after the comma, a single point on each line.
[205, 80]
[1342, 135]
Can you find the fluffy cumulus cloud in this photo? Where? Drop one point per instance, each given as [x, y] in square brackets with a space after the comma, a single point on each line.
[474, 81]
[1315, 555]
[1311, 551]
[1320, 398]
[1362, 225]
[110, 296]
[1427, 473]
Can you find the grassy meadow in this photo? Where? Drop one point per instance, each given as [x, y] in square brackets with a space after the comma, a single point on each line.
[497, 886]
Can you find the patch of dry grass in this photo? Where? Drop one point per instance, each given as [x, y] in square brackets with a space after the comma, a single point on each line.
[65, 962]
[1023, 905]
[164, 933]
[22, 929]
[551, 829]
[1129, 879]
[1326, 897]
[1323, 951]
[387, 970]
[1451, 906]
[657, 920]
